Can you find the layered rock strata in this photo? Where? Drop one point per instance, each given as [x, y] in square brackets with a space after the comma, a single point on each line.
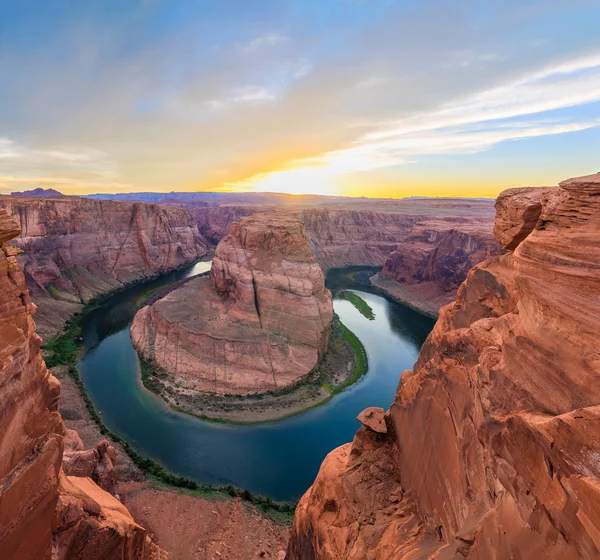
[76, 248]
[429, 266]
[260, 322]
[30, 426]
[44, 513]
[492, 439]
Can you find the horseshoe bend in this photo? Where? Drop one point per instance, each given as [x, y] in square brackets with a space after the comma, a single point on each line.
[260, 322]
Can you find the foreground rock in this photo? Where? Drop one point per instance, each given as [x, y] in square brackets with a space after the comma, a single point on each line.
[76, 248]
[90, 524]
[492, 440]
[260, 322]
[43, 513]
[30, 426]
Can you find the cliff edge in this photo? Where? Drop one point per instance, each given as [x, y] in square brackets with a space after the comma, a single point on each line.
[492, 440]
[44, 513]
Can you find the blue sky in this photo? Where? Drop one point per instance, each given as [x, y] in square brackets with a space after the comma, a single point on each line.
[374, 97]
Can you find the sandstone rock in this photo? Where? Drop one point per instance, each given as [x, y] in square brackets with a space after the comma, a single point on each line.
[89, 524]
[72, 441]
[260, 322]
[96, 464]
[30, 427]
[31, 449]
[434, 260]
[495, 429]
[76, 248]
[373, 418]
[517, 214]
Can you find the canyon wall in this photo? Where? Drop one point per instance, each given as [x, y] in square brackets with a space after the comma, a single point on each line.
[366, 233]
[491, 443]
[260, 322]
[45, 514]
[434, 259]
[76, 248]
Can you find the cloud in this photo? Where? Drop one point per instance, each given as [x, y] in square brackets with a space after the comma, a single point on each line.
[244, 94]
[161, 98]
[265, 41]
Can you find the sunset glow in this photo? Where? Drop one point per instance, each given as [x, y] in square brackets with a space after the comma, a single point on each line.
[304, 180]
[344, 97]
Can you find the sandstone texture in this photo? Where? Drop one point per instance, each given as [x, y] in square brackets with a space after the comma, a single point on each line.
[260, 322]
[493, 437]
[31, 428]
[77, 248]
[90, 524]
[43, 513]
[434, 260]
[425, 246]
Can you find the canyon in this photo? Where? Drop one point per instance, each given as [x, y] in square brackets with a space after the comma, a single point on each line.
[74, 249]
[78, 248]
[259, 323]
[43, 512]
[490, 445]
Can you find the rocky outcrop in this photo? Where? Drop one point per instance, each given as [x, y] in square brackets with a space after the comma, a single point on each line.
[96, 464]
[432, 262]
[43, 513]
[76, 248]
[493, 437]
[90, 524]
[260, 322]
[30, 425]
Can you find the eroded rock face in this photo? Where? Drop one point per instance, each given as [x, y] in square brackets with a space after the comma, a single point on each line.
[76, 248]
[493, 436]
[36, 498]
[30, 426]
[260, 322]
[434, 260]
[90, 524]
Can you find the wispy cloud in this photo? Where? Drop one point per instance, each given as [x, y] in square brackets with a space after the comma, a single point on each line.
[242, 95]
[481, 121]
[264, 42]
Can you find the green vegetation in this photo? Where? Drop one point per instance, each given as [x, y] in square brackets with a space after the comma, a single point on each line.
[359, 303]
[361, 362]
[65, 350]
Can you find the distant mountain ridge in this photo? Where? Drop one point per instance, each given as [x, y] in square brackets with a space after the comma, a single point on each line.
[38, 193]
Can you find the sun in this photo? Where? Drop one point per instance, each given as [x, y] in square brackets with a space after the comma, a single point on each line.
[303, 180]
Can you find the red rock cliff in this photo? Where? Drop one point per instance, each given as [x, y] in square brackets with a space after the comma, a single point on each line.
[429, 266]
[30, 425]
[260, 322]
[43, 513]
[77, 248]
[492, 440]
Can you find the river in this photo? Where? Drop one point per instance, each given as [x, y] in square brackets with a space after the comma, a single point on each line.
[279, 460]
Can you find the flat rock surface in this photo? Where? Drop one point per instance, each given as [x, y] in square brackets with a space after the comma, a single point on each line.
[193, 528]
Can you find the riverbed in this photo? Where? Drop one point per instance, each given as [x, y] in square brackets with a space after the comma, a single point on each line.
[279, 460]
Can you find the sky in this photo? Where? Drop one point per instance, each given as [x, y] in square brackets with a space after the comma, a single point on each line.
[376, 98]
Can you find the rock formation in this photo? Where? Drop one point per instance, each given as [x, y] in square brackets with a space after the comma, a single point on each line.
[77, 248]
[429, 266]
[44, 513]
[493, 437]
[260, 322]
[30, 425]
